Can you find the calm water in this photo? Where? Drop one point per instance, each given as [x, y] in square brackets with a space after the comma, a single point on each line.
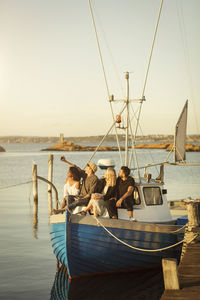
[27, 264]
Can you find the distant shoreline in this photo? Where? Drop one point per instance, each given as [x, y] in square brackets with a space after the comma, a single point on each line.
[69, 146]
[95, 139]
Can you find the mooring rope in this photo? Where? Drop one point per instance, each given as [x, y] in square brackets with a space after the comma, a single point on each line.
[178, 229]
[10, 186]
[136, 248]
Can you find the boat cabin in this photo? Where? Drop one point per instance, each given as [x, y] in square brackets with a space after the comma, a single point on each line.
[150, 203]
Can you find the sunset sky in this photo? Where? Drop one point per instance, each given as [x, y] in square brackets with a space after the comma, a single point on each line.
[51, 79]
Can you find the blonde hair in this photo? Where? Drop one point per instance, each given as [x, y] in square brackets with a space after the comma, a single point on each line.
[110, 177]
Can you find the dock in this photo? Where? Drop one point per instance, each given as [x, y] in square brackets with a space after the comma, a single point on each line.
[188, 272]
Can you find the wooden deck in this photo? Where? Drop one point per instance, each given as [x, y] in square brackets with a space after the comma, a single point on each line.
[189, 276]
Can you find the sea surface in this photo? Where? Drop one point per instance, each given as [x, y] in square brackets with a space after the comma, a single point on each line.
[28, 268]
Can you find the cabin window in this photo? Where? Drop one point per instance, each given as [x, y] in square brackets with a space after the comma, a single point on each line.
[152, 196]
[136, 196]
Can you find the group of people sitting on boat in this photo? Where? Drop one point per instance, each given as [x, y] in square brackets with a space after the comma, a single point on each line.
[98, 195]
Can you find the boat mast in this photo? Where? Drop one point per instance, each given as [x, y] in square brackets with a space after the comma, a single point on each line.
[127, 119]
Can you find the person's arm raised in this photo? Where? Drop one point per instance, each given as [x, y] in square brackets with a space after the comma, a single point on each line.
[67, 162]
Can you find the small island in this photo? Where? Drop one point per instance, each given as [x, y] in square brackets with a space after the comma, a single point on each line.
[168, 147]
[69, 146]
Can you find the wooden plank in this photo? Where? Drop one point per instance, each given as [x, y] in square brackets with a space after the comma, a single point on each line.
[187, 269]
[182, 294]
[194, 246]
[192, 252]
[190, 261]
[59, 218]
[197, 229]
[189, 282]
[170, 273]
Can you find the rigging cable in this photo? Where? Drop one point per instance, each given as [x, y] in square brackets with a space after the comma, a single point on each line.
[14, 185]
[148, 66]
[105, 78]
[113, 124]
[133, 152]
[187, 58]
[134, 116]
[117, 73]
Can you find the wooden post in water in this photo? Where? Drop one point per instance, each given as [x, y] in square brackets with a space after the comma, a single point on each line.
[50, 177]
[170, 274]
[35, 190]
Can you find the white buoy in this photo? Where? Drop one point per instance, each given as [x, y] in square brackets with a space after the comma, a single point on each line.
[105, 163]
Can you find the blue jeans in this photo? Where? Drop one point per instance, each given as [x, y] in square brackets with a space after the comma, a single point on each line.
[72, 203]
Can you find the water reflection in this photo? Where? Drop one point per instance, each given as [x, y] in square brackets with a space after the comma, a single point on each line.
[143, 285]
[35, 225]
[60, 286]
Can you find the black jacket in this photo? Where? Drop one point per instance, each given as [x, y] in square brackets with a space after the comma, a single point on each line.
[111, 192]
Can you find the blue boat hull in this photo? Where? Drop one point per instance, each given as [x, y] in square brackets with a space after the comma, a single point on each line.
[87, 249]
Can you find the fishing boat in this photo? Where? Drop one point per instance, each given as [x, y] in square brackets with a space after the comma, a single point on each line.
[88, 245]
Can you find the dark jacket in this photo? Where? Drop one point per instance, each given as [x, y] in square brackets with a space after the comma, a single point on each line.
[111, 192]
[89, 183]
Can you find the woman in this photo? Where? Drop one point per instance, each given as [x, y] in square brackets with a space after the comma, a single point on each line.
[105, 191]
[71, 187]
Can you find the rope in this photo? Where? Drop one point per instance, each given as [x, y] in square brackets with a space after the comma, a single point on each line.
[149, 152]
[136, 248]
[153, 43]
[187, 57]
[105, 136]
[99, 48]
[178, 229]
[105, 78]
[10, 186]
[187, 241]
[148, 66]
[133, 150]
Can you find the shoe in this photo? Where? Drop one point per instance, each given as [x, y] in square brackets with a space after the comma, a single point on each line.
[83, 213]
[132, 219]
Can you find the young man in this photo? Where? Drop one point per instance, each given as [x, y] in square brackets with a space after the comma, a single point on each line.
[88, 185]
[124, 189]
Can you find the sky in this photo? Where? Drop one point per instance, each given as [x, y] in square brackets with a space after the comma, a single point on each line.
[51, 78]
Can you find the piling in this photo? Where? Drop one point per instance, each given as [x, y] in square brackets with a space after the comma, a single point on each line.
[193, 222]
[192, 210]
[35, 190]
[50, 177]
[188, 273]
